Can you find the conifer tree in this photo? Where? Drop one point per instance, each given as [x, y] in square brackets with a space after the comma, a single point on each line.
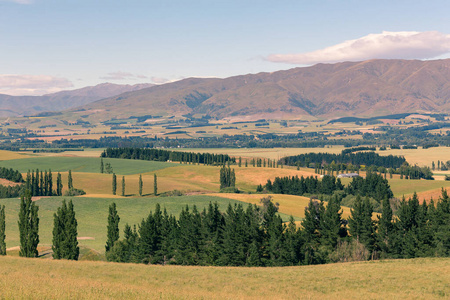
[2, 231]
[59, 185]
[45, 189]
[41, 185]
[28, 226]
[140, 185]
[65, 243]
[102, 168]
[113, 227]
[240, 161]
[123, 185]
[155, 185]
[385, 227]
[114, 183]
[70, 181]
[50, 183]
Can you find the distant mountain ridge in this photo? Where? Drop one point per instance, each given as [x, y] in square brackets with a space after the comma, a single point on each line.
[360, 89]
[12, 106]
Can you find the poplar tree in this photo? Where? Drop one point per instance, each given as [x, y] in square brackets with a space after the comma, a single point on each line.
[123, 185]
[50, 183]
[113, 227]
[114, 183]
[28, 226]
[2, 231]
[102, 168]
[140, 185]
[155, 185]
[65, 243]
[59, 185]
[70, 181]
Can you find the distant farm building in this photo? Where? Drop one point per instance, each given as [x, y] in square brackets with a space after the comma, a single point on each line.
[348, 175]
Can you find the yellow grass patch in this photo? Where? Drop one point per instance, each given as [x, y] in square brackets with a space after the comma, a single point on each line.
[289, 204]
[421, 157]
[7, 182]
[58, 279]
[8, 155]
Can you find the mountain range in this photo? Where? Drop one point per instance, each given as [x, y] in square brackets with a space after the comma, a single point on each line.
[12, 106]
[361, 89]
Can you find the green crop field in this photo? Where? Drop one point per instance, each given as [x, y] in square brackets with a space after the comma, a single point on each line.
[84, 164]
[92, 213]
[423, 278]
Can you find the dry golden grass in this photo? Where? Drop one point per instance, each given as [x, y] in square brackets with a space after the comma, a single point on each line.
[289, 204]
[393, 279]
[421, 157]
[7, 155]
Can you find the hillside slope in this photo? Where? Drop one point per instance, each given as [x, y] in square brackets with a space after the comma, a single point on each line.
[374, 87]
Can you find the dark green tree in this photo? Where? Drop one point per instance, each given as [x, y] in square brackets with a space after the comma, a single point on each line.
[113, 227]
[114, 183]
[140, 185]
[65, 244]
[102, 168]
[59, 185]
[123, 185]
[50, 183]
[155, 185]
[28, 226]
[70, 181]
[2, 230]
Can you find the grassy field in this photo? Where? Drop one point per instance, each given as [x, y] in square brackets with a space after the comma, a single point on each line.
[84, 164]
[392, 279]
[92, 214]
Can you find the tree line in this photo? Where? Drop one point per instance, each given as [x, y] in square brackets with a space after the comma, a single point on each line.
[10, 174]
[373, 186]
[345, 158]
[257, 236]
[167, 155]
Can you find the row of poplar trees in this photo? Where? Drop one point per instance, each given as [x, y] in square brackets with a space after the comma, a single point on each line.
[65, 244]
[257, 236]
[41, 183]
[140, 184]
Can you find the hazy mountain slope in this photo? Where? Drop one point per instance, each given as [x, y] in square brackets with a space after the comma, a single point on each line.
[29, 105]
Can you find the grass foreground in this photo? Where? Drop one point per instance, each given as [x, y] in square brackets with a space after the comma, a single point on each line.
[427, 278]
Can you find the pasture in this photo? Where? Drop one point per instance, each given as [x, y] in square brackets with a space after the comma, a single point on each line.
[422, 278]
[92, 214]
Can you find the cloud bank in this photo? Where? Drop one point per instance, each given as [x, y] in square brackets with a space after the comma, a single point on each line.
[119, 75]
[385, 45]
[21, 85]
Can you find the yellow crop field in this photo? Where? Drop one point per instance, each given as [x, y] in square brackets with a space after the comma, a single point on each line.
[421, 157]
[22, 278]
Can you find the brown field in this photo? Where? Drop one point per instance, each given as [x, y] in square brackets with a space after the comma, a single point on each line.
[22, 278]
[421, 157]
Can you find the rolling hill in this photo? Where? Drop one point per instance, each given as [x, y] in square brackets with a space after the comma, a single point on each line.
[12, 106]
[368, 88]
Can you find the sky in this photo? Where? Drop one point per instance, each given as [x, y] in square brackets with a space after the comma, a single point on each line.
[52, 45]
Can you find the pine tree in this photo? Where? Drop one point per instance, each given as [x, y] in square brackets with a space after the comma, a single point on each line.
[114, 183]
[102, 168]
[155, 185]
[28, 226]
[2, 231]
[113, 227]
[385, 227]
[70, 181]
[59, 185]
[65, 243]
[140, 185]
[123, 185]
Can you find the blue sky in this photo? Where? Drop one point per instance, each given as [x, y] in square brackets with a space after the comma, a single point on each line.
[49, 45]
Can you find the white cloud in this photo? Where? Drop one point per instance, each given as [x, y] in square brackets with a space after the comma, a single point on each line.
[16, 85]
[385, 45]
[119, 75]
[159, 80]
